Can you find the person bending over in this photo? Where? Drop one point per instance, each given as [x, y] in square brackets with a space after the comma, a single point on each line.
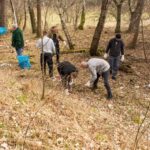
[98, 67]
[67, 71]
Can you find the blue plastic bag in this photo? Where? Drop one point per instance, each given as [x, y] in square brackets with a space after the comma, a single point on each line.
[3, 30]
[24, 62]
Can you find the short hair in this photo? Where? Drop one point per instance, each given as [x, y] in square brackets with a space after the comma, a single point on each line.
[44, 32]
[118, 36]
[15, 25]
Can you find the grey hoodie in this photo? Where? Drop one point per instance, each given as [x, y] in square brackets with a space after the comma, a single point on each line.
[97, 66]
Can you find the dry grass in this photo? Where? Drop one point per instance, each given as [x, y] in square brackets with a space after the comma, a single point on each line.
[81, 120]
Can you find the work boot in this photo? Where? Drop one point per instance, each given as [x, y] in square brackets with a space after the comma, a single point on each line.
[113, 78]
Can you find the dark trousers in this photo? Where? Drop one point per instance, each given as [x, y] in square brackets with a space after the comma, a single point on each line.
[105, 76]
[47, 60]
[57, 55]
[114, 65]
[66, 79]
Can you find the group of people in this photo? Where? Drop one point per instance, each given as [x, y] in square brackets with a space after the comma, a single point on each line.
[98, 67]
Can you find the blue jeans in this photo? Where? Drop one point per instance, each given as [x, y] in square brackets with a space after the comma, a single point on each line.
[19, 51]
[114, 65]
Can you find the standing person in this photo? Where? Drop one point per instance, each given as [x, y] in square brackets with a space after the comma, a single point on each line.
[98, 67]
[115, 51]
[56, 38]
[47, 51]
[17, 39]
[67, 71]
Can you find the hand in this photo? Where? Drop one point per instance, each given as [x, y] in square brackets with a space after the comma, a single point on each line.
[67, 92]
[88, 84]
[64, 42]
[122, 58]
[105, 55]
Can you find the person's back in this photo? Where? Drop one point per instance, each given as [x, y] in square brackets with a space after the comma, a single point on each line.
[66, 68]
[47, 44]
[100, 65]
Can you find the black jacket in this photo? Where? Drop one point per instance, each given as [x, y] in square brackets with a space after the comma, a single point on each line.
[115, 47]
[66, 68]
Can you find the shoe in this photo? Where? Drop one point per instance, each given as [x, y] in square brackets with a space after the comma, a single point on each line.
[113, 78]
[109, 96]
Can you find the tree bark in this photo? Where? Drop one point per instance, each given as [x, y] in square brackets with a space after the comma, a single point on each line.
[118, 24]
[32, 17]
[82, 21]
[2, 13]
[25, 16]
[99, 28]
[135, 15]
[39, 19]
[137, 24]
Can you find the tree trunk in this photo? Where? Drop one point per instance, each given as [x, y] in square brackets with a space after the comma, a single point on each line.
[64, 27]
[25, 16]
[118, 25]
[82, 21]
[32, 17]
[39, 19]
[99, 28]
[135, 15]
[137, 24]
[2, 13]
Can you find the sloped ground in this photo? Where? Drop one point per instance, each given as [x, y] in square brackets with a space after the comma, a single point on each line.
[82, 120]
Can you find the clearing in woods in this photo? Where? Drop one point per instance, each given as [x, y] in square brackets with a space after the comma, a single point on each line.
[81, 120]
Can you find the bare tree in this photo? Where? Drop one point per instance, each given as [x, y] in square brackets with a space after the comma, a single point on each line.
[137, 23]
[32, 16]
[2, 12]
[39, 19]
[82, 21]
[135, 12]
[118, 5]
[99, 28]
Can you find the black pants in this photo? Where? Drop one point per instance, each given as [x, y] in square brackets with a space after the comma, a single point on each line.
[105, 76]
[47, 60]
[57, 55]
[66, 79]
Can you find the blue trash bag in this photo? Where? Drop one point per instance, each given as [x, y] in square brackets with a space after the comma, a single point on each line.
[3, 30]
[24, 62]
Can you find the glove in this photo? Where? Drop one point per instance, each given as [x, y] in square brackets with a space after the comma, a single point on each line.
[122, 58]
[67, 92]
[64, 42]
[88, 84]
[105, 55]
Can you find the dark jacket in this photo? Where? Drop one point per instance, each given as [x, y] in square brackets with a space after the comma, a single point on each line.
[115, 47]
[66, 68]
[17, 39]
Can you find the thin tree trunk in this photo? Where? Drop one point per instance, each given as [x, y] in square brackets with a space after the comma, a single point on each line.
[82, 21]
[15, 21]
[25, 16]
[2, 13]
[39, 19]
[64, 27]
[118, 25]
[99, 28]
[32, 17]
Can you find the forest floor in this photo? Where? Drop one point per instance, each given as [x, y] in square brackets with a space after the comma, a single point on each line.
[84, 120]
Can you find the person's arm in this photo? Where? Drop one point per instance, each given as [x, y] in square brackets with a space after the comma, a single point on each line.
[53, 47]
[122, 48]
[61, 38]
[107, 50]
[93, 75]
[39, 44]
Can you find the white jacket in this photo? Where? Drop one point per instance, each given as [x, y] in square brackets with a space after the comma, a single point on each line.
[47, 44]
